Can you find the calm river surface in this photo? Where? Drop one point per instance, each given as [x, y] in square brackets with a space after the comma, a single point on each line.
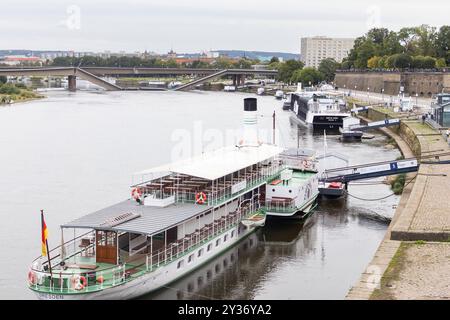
[74, 153]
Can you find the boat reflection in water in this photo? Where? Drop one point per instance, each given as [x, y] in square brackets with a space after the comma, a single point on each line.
[303, 251]
[239, 272]
[219, 269]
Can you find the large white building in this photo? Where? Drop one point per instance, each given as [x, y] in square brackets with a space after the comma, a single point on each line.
[315, 49]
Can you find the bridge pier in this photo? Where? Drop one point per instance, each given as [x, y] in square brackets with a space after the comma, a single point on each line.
[238, 80]
[241, 81]
[72, 83]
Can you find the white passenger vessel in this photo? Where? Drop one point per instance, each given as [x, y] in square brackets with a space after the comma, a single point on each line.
[179, 216]
[318, 109]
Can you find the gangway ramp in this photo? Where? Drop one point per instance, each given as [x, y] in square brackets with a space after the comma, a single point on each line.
[370, 171]
[375, 125]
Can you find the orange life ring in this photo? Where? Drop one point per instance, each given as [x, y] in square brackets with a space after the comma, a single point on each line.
[200, 198]
[136, 193]
[32, 277]
[78, 282]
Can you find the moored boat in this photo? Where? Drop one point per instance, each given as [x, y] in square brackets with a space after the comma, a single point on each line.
[320, 110]
[294, 193]
[178, 217]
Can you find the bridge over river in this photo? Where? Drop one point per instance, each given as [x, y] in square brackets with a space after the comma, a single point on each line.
[95, 74]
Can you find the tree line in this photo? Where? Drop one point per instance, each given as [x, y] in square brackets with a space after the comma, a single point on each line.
[422, 47]
[294, 71]
[150, 62]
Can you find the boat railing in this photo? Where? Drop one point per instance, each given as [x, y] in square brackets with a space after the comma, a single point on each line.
[72, 279]
[75, 280]
[183, 246]
[83, 244]
[220, 191]
[252, 180]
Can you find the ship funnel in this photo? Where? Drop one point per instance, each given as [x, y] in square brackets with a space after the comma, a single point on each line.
[250, 124]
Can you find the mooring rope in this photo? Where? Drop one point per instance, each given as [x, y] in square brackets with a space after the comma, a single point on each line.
[382, 198]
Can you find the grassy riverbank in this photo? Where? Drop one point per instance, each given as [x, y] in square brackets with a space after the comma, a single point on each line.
[10, 93]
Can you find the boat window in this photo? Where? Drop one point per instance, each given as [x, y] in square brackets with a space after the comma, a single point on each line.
[191, 257]
[200, 252]
[232, 234]
[180, 264]
[225, 238]
[209, 247]
[217, 242]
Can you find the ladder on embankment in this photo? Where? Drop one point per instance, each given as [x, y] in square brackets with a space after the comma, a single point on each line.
[201, 80]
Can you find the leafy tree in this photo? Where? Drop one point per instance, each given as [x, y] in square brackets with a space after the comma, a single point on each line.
[243, 64]
[365, 52]
[328, 68]
[9, 88]
[307, 76]
[382, 63]
[346, 64]
[373, 62]
[426, 39]
[422, 40]
[198, 64]
[223, 63]
[442, 43]
[399, 61]
[421, 62]
[440, 63]
[287, 69]
[3, 80]
[274, 59]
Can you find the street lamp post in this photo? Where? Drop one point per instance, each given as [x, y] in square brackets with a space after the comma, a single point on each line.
[368, 98]
[382, 95]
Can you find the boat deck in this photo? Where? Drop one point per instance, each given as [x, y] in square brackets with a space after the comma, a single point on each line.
[298, 178]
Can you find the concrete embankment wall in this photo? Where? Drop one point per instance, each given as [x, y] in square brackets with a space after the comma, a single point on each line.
[425, 84]
[375, 81]
[423, 212]
[404, 131]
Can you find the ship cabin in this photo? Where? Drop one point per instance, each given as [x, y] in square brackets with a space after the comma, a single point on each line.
[172, 211]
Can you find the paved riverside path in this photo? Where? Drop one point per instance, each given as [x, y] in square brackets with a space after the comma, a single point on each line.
[423, 103]
[370, 278]
[427, 214]
[402, 269]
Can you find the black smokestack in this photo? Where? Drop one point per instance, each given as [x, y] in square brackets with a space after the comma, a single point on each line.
[250, 104]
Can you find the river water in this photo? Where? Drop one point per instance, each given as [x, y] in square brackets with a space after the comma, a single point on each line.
[74, 153]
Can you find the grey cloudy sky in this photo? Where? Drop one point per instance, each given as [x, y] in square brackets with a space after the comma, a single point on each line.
[194, 25]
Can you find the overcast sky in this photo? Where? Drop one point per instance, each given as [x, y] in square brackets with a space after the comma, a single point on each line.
[196, 25]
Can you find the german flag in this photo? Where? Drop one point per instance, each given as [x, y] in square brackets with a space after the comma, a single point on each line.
[44, 235]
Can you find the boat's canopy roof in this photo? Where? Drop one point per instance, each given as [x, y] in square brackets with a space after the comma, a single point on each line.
[218, 163]
[144, 219]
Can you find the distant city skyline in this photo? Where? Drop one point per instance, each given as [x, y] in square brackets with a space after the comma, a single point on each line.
[201, 25]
